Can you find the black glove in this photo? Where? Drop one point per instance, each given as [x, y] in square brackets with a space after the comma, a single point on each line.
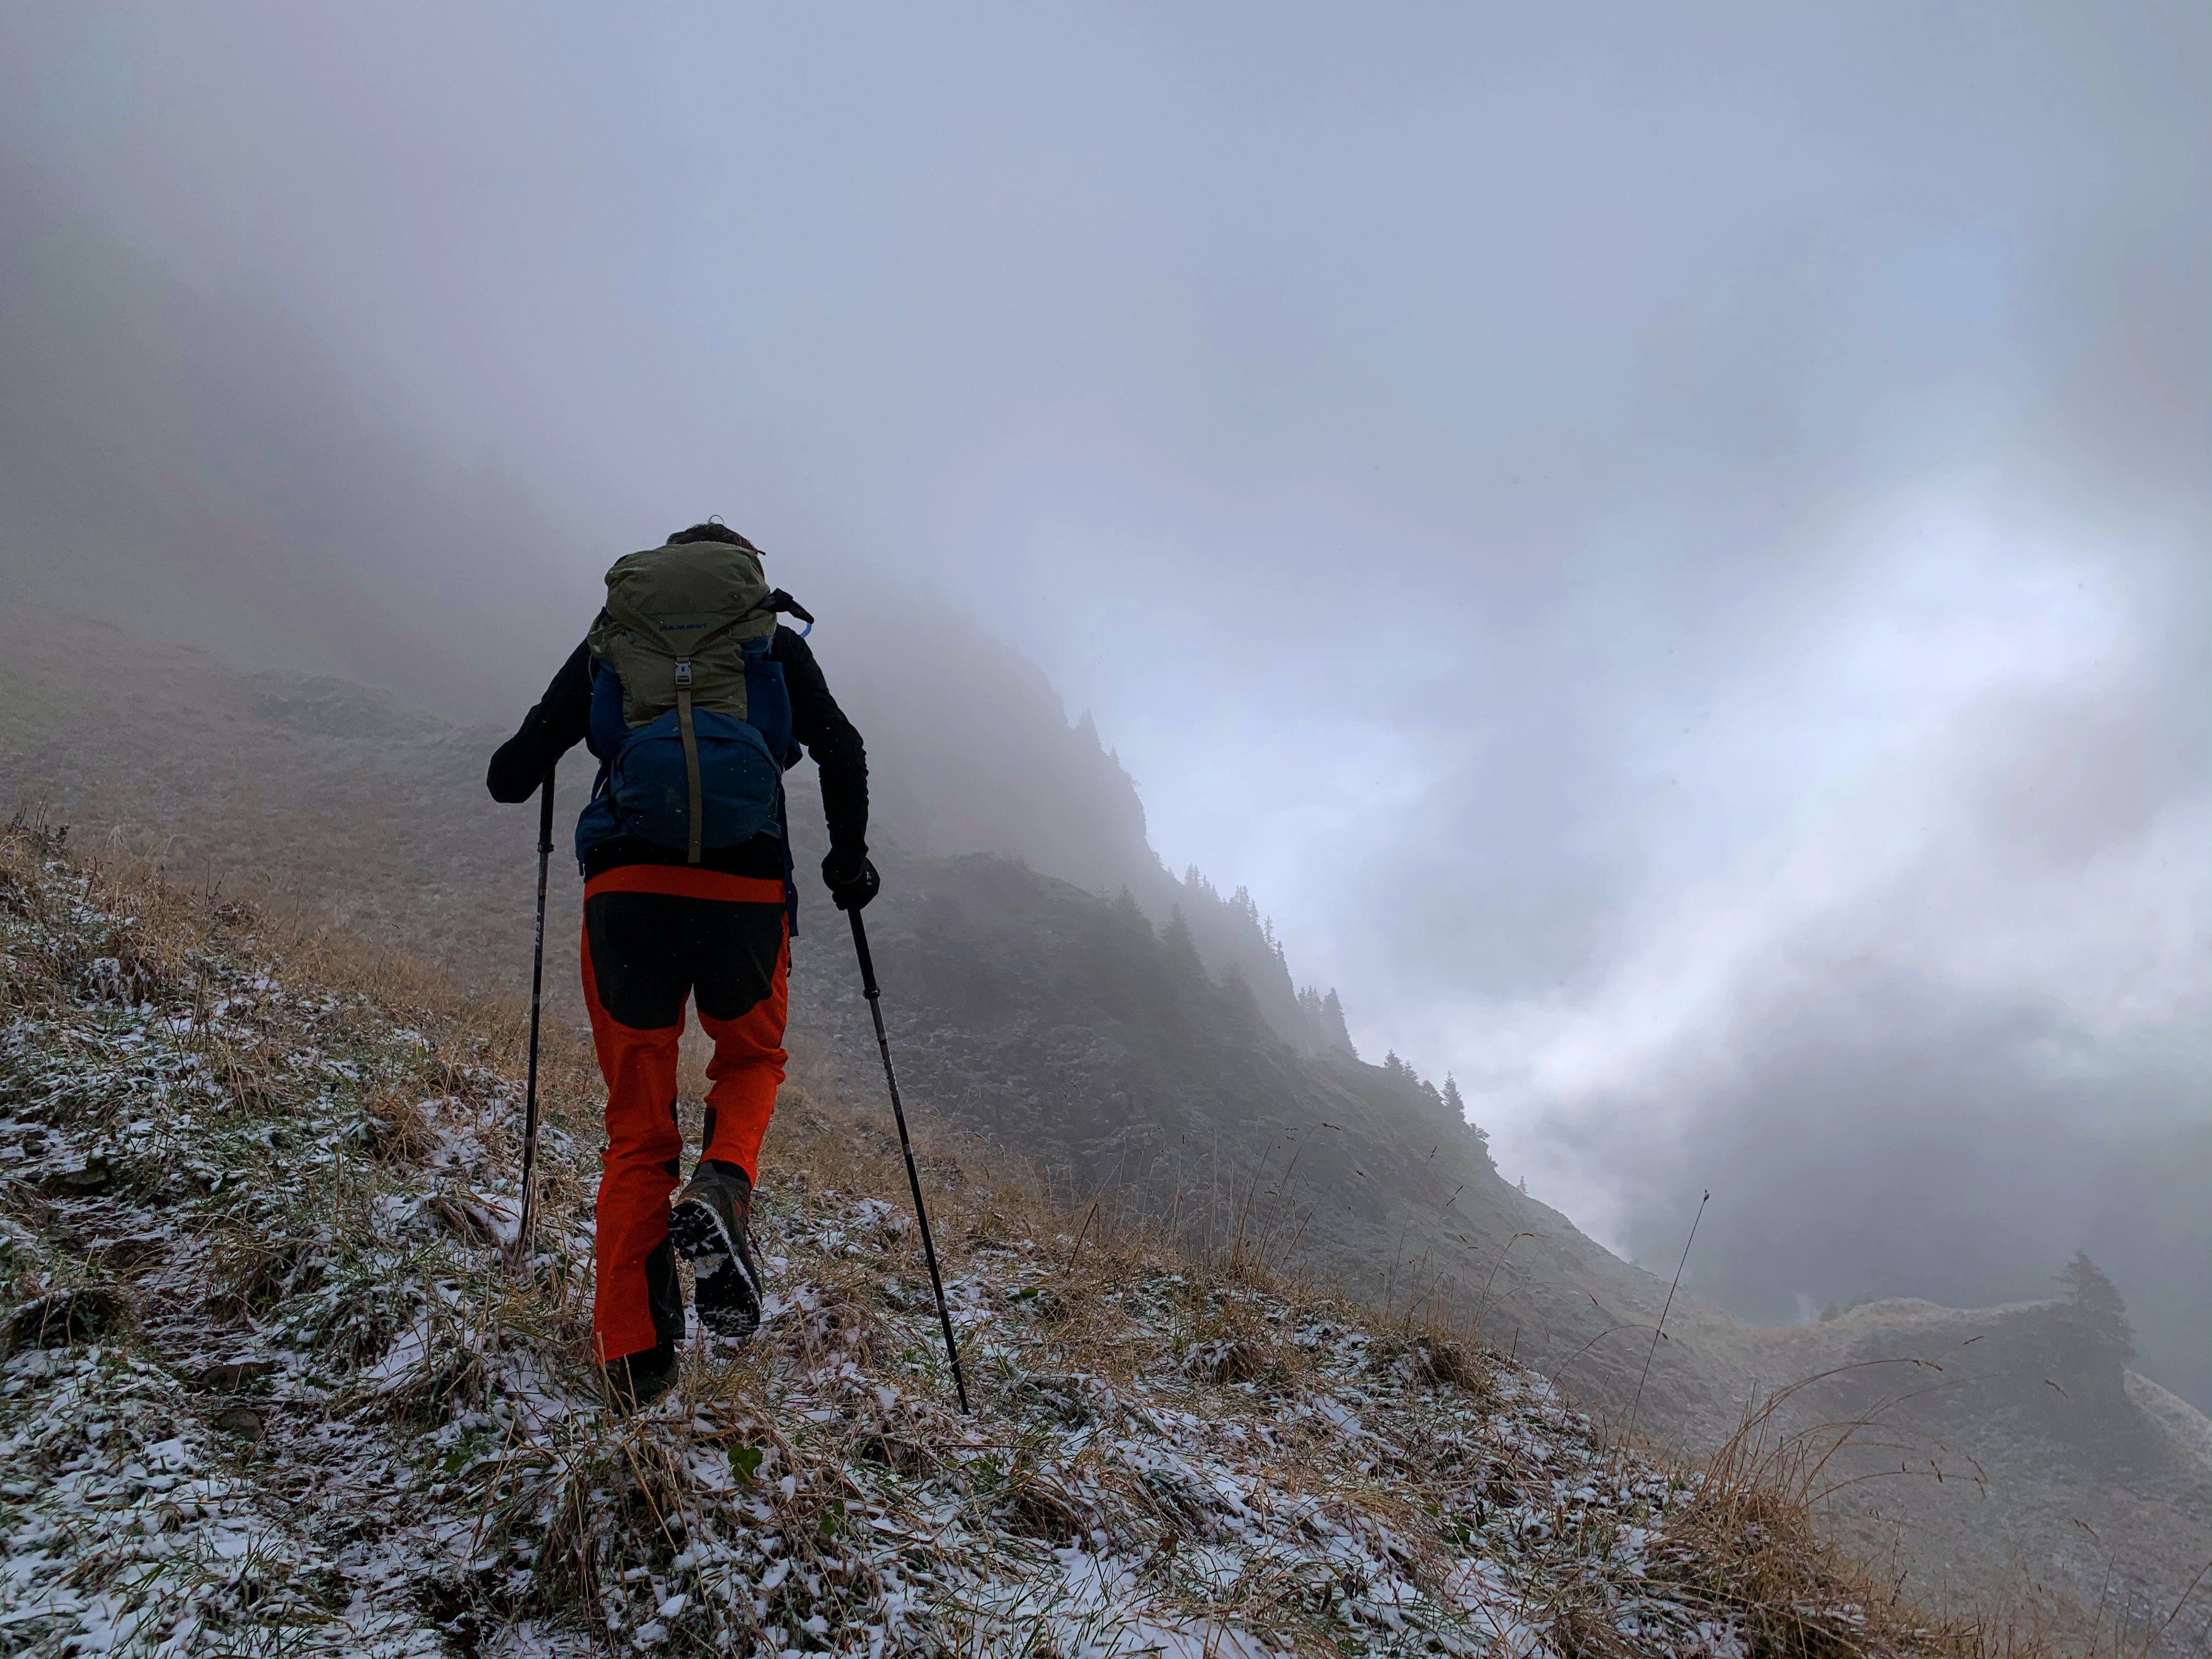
[852, 882]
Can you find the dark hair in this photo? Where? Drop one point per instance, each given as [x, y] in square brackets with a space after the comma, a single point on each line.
[713, 530]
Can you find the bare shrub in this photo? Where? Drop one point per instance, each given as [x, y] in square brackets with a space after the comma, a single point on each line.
[396, 1130]
[252, 1270]
[1434, 1358]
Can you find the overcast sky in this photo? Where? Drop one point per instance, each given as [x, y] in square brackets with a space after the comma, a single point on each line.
[1668, 546]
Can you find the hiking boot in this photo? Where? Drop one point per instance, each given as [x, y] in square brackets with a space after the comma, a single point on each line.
[636, 1380]
[710, 1229]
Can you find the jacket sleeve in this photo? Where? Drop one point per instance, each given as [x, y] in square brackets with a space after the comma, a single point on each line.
[548, 732]
[821, 726]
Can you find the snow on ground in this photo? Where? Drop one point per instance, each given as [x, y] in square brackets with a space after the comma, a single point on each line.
[268, 1387]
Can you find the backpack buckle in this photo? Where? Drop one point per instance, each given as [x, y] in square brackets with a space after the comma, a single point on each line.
[683, 674]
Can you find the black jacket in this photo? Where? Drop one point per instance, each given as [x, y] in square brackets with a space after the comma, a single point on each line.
[562, 719]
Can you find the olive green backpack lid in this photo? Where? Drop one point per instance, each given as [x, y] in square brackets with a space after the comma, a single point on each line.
[680, 617]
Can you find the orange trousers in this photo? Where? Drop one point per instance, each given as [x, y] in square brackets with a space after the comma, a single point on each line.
[656, 937]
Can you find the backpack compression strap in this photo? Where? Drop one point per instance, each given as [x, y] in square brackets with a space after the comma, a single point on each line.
[690, 758]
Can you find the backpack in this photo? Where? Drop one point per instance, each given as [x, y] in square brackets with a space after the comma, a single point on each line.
[688, 715]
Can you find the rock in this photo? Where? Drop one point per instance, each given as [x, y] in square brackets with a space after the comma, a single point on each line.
[240, 1421]
[94, 1174]
[232, 1374]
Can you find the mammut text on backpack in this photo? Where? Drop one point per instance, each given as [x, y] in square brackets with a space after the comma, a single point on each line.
[688, 710]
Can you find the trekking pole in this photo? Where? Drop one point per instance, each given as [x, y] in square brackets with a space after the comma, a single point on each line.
[868, 989]
[536, 1001]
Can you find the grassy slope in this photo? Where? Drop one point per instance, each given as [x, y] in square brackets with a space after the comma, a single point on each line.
[270, 1389]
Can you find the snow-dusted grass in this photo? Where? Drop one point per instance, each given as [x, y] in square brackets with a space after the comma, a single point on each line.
[270, 1386]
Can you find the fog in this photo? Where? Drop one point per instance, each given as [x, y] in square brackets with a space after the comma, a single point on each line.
[1672, 551]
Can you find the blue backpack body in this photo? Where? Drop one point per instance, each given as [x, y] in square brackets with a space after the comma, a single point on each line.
[643, 788]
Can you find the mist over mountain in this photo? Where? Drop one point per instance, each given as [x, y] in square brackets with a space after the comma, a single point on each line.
[202, 458]
[195, 466]
[197, 469]
[1693, 620]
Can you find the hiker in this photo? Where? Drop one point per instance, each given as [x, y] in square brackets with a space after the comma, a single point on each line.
[695, 699]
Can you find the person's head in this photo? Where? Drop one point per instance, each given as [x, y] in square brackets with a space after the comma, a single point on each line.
[713, 530]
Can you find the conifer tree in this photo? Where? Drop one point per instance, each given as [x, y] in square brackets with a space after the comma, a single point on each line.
[1237, 996]
[2094, 1301]
[1334, 1028]
[1183, 960]
[1456, 1106]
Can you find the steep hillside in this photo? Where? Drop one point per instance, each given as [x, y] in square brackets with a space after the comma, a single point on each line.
[1072, 1031]
[1071, 1028]
[279, 782]
[971, 752]
[273, 1384]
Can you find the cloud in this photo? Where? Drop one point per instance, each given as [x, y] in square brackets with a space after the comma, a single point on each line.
[1920, 986]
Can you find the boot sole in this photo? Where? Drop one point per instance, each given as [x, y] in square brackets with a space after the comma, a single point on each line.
[724, 1296]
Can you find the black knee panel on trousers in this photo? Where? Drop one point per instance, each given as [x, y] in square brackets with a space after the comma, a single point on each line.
[649, 948]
